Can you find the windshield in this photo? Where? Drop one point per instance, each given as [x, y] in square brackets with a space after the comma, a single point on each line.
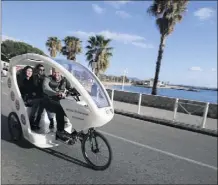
[88, 81]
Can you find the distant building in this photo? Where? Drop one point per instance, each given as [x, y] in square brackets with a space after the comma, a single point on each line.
[150, 82]
[4, 64]
[4, 69]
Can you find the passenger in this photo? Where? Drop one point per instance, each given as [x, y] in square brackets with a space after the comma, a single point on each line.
[54, 87]
[26, 83]
[28, 93]
[38, 78]
[21, 76]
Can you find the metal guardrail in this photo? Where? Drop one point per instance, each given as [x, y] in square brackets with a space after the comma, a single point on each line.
[176, 106]
[205, 112]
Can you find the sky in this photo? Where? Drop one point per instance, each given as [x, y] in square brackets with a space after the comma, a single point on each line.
[190, 55]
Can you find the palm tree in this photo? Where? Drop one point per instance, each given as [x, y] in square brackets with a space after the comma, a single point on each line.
[167, 14]
[54, 46]
[72, 47]
[98, 53]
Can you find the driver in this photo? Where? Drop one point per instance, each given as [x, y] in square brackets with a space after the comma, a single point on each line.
[54, 87]
[50, 114]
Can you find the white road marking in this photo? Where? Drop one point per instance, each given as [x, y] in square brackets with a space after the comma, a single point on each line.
[161, 151]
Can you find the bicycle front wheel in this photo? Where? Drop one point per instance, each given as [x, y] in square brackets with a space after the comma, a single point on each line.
[97, 151]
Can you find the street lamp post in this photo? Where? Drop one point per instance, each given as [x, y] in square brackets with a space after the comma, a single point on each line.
[94, 63]
[94, 66]
[124, 75]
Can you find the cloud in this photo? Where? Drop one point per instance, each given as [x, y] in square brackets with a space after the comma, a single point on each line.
[123, 14]
[195, 69]
[143, 45]
[125, 38]
[5, 37]
[117, 4]
[213, 70]
[204, 13]
[97, 9]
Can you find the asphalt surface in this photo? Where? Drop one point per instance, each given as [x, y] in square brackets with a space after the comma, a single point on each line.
[143, 153]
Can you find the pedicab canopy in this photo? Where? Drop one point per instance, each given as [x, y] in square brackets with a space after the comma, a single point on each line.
[80, 77]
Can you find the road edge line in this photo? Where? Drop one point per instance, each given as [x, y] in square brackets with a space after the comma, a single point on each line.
[175, 124]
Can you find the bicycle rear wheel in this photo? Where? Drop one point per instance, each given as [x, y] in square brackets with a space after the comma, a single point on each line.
[92, 150]
[14, 127]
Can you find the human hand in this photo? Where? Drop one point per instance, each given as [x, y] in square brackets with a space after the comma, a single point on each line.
[58, 94]
[61, 94]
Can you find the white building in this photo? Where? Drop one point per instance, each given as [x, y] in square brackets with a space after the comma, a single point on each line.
[150, 82]
[4, 64]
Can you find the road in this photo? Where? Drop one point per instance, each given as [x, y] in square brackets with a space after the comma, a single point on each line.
[144, 153]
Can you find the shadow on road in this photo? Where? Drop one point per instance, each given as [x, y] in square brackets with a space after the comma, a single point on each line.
[26, 145]
[65, 157]
[6, 136]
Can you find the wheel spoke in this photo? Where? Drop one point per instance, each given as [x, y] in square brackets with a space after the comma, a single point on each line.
[96, 159]
[97, 156]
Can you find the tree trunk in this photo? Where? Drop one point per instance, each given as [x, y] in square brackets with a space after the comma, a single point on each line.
[97, 71]
[53, 53]
[158, 64]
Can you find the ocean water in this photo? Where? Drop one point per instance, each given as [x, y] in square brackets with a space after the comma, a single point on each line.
[203, 95]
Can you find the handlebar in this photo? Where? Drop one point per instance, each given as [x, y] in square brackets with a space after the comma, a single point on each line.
[73, 92]
[70, 92]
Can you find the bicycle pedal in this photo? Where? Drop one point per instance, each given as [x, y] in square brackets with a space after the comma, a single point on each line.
[70, 141]
[63, 141]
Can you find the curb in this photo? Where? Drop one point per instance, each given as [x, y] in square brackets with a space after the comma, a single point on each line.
[179, 125]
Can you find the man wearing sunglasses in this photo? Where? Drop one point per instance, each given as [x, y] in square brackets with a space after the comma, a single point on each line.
[38, 78]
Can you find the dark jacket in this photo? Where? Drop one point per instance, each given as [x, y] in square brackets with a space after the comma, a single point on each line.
[51, 87]
[20, 77]
[27, 88]
[38, 83]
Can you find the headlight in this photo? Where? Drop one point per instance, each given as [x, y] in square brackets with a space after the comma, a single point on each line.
[109, 111]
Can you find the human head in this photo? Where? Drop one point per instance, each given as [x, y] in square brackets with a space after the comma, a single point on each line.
[40, 70]
[28, 71]
[56, 74]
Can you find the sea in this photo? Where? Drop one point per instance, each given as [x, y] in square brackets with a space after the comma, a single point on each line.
[202, 95]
